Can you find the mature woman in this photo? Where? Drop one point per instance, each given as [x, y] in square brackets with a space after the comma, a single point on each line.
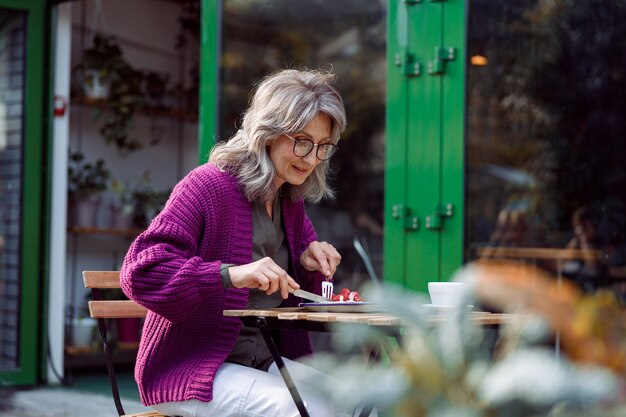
[234, 234]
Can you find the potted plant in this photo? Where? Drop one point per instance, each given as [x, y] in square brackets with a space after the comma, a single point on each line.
[82, 331]
[86, 182]
[128, 332]
[148, 200]
[152, 202]
[137, 202]
[79, 328]
[123, 207]
[100, 66]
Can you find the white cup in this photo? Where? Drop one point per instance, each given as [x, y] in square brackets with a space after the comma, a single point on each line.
[448, 294]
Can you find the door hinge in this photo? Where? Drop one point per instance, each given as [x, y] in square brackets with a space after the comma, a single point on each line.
[404, 60]
[442, 54]
[440, 212]
[400, 212]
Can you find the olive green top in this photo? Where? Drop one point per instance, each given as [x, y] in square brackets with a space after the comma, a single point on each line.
[268, 239]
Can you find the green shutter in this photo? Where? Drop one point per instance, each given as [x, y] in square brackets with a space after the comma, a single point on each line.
[425, 107]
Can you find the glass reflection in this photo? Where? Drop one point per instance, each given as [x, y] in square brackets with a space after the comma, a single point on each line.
[545, 137]
[347, 37]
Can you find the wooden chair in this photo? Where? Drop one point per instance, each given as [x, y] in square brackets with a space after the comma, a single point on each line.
[111, 309]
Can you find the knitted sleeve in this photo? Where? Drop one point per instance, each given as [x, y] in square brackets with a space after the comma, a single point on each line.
[162, 270]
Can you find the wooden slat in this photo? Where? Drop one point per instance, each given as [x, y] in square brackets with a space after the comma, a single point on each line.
[323, 317]
[115, 309]
[292, 316]
[384, 321]
[101, 279]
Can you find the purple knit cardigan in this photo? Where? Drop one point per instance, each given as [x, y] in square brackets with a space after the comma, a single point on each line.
[173, 269]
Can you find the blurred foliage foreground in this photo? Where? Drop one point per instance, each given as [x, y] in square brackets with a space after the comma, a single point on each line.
[460, 369]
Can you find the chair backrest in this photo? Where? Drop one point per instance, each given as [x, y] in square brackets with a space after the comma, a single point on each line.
[109, 309]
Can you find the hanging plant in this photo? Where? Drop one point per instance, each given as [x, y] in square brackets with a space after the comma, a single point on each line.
[128, 90]
[188, 41]
[100, 65]
[125, 98]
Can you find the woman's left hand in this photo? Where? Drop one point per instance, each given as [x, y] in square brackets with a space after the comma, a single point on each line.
[322, 257]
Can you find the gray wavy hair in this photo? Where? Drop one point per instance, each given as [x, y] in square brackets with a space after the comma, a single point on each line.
[284, 102]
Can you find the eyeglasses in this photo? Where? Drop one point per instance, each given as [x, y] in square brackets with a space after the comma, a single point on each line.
[302, 147]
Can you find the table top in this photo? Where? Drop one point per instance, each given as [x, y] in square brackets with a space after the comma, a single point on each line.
[372, 319]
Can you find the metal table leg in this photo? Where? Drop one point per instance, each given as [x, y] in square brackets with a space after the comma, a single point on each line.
[262, 325]
[366, 411]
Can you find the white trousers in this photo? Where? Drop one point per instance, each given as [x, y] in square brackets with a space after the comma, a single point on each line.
[240, 391]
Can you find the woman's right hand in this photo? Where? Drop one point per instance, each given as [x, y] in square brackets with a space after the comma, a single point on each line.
[264, 275]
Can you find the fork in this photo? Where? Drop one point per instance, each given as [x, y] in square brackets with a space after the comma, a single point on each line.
[327, 289]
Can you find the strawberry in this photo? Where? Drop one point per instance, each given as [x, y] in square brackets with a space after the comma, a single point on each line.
[346, 295]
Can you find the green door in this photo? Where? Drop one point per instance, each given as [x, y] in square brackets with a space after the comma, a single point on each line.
[423, 186]
[21, 118]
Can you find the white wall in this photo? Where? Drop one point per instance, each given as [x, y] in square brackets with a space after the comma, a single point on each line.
[146, 30]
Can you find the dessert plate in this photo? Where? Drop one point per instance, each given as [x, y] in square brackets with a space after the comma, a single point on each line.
[342, 307]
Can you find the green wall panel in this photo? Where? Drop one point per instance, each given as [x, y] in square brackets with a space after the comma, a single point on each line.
[453, 138]
[31, 244]
[423, 159]
[209, 77]
[396, 133]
